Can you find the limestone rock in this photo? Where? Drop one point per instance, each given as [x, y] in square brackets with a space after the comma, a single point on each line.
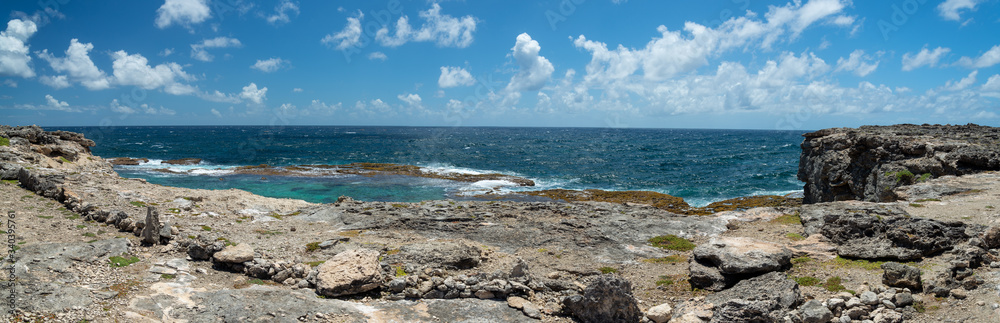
[899, 237]
[902, 276]
[234, 254]
[660, 313]
[439, 254]
[349, 272]
[607, 299]
[814, 312]
[739, 255]
[151, 230]
[769, 295]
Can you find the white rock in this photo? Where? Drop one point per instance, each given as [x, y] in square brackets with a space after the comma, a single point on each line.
[660, 313]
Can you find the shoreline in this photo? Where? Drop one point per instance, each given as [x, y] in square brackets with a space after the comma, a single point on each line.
[537, 256]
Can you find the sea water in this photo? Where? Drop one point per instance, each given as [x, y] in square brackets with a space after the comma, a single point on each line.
[700, 166]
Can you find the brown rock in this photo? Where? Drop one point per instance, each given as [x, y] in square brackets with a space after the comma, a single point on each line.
[349, 272]
[183, 161]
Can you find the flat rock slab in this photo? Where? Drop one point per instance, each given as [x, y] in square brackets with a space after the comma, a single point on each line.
[60, 256]
[740, 255]
[235, 254]
[349, 272]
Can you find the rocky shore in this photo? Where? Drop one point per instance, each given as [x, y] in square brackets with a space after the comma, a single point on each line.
[871, 243]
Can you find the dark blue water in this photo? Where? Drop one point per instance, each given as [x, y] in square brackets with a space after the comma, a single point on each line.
[699, 165]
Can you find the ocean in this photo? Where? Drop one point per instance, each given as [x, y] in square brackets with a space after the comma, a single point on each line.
[701, 166]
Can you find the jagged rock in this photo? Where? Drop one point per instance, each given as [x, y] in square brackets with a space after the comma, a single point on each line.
[444, 254]
[151, 229]
[902, 238]
[885, 315]
[234, 254]
[9, 171]
[127, 161]
[741, 255]
[814, 312]
[902, 299]
[705, 277]
[660, 313]
[870, 162]
[900, 275]
[349, 272]
[991, 238]
[607, 299]
[767, 298]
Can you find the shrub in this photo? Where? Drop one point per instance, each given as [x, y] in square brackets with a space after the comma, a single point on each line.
[671, 242]
[312, 246]
[833, 284]
[138, 203]
[4, 141]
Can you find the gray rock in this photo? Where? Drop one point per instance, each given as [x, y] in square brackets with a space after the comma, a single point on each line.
[234, 254]
[814, 312]
[705, 277]
[397, 285]
[608, 298]
[349, 272]
[899, 237]
[869, 298]
[772, 293]
[151, 230]
[885, 315]
[902, 299]
[439, 255]
[531, 310]
[743, 255]
[903, 276]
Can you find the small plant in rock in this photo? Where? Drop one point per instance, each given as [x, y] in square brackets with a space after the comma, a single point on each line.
[664, 281]
[206, 228]
[312, 246]
[608, 270]
[788, 219]
[168, 276]
[138, 203]
[4, 141]
[672, 242]
[400, 272]
[119, 261]
[89, 234]
[315, 263]
[794, 236]
[833, 284]
[801, 260]
[807, 281]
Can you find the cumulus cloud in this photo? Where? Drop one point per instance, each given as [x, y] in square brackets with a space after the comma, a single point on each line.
[410, 99]
[182, 12]
[297, 90]
[78, 65]
[216, 113]
[14, 57]
[56, 82]
[55, 104]
[454, 77]
[992, 87]
[924, 58]
[349, 36]
[253, 94]
[269, 65]
[962, 84]
[198, 50]
[951, 9]
[857, 63]
[377, 56]
[533, 70]
[282, 11]
[988, 59]
[443, 30]
[217, 96]
[134, 69]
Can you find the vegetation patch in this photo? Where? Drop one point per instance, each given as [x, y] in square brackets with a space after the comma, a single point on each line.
[45, 216]
[794, 236]
[119, 261]
[801, 260]
[664, 281]
[124, 287]
[400, 272]
[396, 205]
[90, 235]
[64, 160]
[807, 281]
[924, 177]
[350, 233]
[252, 281]
[833, 284]
[916, 205]
[80, 226]
[748, 202]
[788, 219]
[672, 242]
[312, 246]
[138, 203]
[666, 260]
[206, 228]
[267, 232]
[4, 141]
[168, 276]
[315, 263]
[225, 241]
[608, 270]
[10, 181]
[928, 200]
[901, 176]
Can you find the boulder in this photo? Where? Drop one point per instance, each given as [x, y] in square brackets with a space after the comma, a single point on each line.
[607, 299]
[902, 276]
[900, 237]
[660, 313]
[765, 298]
[814, 312]
[151, 230]
[741, 255]
[237, 254]
[349, 272]
[991, 238]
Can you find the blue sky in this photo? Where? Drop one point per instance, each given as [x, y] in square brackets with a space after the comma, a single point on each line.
[590, 63]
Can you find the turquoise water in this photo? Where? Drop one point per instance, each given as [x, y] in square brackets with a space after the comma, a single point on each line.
[699, 165]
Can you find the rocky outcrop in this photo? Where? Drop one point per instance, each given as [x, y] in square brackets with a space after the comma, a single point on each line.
[607, 299]
[899, 275]
[765, 298]
[869, 163]
[723, 261]
[899, 237]
[445, 254]
[349, 272]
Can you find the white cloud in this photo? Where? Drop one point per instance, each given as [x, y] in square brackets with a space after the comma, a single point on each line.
[963, 84]
[349, 36]
[321, 108]
[198, 50]
[167, 52]
[216, 113]
[10, 83]
[281, 12]
[377, 56]
[858, 63]
[79, 66]
[443, 30]
[219, 97]
[297, 90]
[134, 70]
[14, 57]
[56, 82]
[182, 12]
[988, 59]
[410, 99]
[269, 65]
[375, 107]
[454, 77]
[992, 87]
[950, 9]
[55, 104]
[253, 94]
[117, 107]
[924, 58]
[533, 70]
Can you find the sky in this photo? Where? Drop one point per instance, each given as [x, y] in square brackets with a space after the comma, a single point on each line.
[733, 64]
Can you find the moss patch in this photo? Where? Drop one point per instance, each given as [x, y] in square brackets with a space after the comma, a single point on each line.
[119, 261]
[664, 281]
[858, 263]
[206, 228]
[312, 246]
[138, 203]
[315, 263]
[672, 242]
[834, 284]
[4, 141]
[794, 236]
[788, 219]
[608, 270]
[806, 281]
